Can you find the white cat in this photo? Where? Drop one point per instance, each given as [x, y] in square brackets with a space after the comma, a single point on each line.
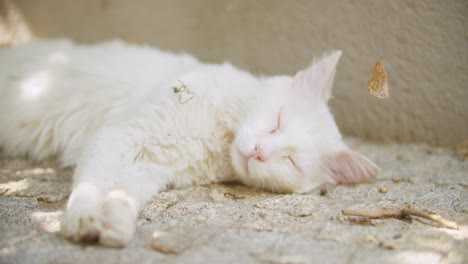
[137, 121]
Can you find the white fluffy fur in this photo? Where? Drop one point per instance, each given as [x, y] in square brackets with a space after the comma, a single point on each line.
[111, 110]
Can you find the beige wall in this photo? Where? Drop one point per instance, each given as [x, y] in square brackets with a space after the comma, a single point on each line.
[424, 45]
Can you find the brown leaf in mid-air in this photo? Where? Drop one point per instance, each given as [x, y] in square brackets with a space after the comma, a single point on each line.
[462, 150]
[378, 83]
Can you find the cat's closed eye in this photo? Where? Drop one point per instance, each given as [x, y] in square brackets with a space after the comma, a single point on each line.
[277, 125]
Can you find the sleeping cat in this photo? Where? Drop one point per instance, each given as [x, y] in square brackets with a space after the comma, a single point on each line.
[137, 121]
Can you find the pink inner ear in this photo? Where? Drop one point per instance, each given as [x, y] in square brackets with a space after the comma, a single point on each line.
[348, 166]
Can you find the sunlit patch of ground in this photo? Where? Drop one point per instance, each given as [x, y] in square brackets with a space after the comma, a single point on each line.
[226, 223]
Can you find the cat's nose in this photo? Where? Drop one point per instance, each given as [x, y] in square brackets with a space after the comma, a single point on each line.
[256, 154]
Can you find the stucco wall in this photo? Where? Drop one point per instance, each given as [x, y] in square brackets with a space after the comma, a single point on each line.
[424, 45]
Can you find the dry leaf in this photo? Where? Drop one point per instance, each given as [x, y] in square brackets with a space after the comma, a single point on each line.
[184, 92]
[378, 83]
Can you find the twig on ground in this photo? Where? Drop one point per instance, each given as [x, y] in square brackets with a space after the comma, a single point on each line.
[402, 213]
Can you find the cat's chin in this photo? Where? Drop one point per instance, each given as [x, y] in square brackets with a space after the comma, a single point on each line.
[239, 162]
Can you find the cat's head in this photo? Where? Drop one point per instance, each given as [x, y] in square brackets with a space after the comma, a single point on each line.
[289, 141]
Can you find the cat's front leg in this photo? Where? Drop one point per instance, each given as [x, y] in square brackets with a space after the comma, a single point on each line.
[120, 206]
[110, 189]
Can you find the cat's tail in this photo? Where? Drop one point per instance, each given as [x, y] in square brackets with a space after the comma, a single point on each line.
[41, 114]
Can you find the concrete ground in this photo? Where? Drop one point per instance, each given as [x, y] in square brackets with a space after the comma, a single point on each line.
[235, 224]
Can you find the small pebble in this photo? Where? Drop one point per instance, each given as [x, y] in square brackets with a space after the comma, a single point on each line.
[383, 245]
[170, 243]
[323, 191]
[383, 190]
[370, 239]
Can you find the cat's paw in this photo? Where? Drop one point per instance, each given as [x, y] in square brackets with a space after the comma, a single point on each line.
[119, 212]
[89, 218]
[81, 225]
[81, 221]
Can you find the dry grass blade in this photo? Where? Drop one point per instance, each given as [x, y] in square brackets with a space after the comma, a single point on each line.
[402, 213]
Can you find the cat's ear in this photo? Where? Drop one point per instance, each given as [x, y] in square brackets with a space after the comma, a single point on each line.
[317, 80]
[347, 166]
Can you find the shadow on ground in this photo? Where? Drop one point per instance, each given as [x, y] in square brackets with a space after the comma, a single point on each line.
[236, 224]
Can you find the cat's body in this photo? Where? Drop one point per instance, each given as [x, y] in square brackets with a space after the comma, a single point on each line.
[136, 121]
